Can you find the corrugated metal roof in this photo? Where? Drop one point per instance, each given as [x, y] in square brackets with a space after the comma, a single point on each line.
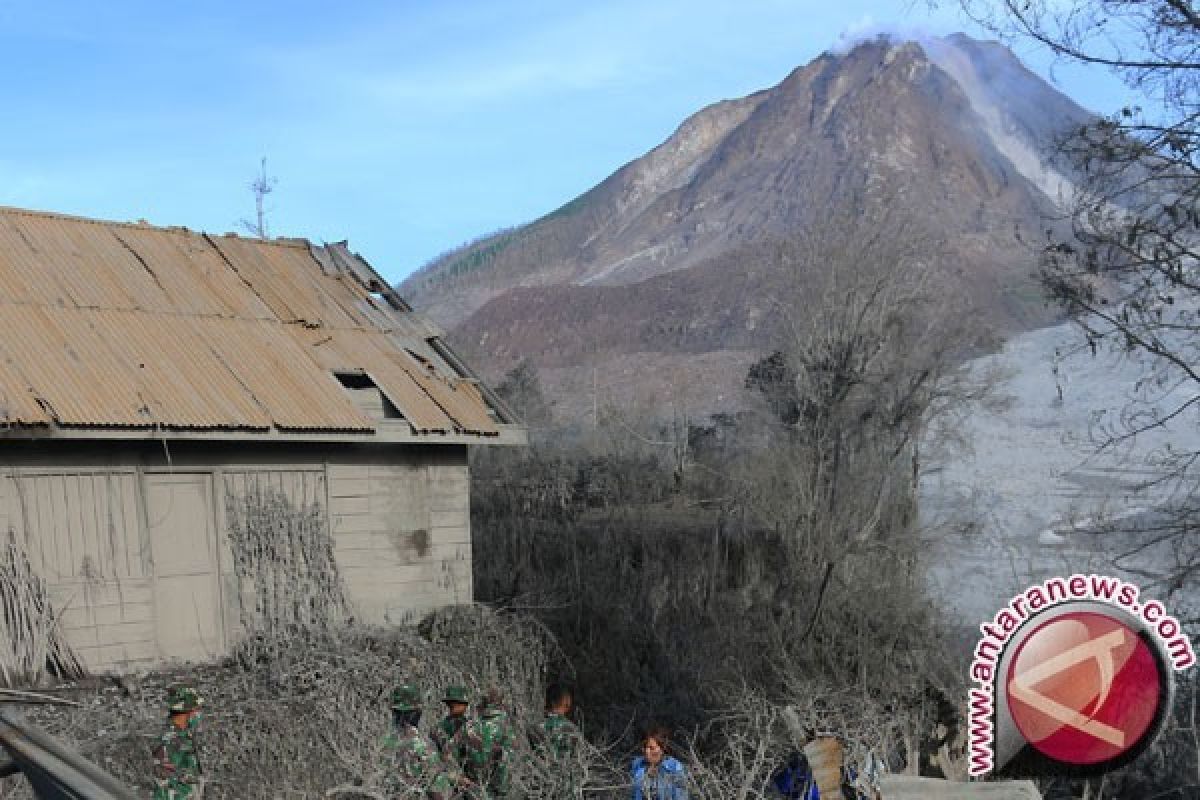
[430, 407]
[130, 326]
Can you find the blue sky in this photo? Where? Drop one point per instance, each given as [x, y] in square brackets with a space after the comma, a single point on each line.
[405, 127]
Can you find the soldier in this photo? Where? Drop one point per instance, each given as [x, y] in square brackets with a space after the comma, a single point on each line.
[415, 769]
[176, 762]
[487, 743]
[556, 741]
[456, 716]
[558, 735]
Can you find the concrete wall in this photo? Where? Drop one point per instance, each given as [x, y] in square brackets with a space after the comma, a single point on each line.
[398, 514]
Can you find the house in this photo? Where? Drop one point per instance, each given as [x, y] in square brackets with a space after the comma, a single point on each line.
[204, 435]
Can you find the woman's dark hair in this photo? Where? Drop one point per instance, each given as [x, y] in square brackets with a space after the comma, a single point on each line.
[659, 733]
[556, 693]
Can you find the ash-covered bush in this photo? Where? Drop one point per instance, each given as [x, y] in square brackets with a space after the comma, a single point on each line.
[311, 717]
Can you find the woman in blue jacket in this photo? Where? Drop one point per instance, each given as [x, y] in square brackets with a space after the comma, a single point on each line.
[656, 775]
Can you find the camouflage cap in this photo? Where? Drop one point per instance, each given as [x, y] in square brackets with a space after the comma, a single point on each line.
[406, 697]
[456, 694]
[182, 699]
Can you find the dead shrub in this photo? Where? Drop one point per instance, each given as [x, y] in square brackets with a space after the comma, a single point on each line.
[283, 557]
[31, 641]
[311, 719]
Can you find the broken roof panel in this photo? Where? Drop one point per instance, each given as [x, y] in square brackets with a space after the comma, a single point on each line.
[129, 326]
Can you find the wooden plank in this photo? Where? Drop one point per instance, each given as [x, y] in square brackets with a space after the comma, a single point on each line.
[402, 506]
[229, 484]
[112, 593]
[453, 551]
[306, 495]
[349, 471]
[305, 492]
[40, 527]
[441, 538]
[101, 615]
[137, 612]
[139, 651]
[84, 529]
[451, 480]
[406, 475]
[117, 527]
[125, 633]
[350, 505]
[96, 490]
[82, 637]
[450, 501]
[133, 591]
[83, 539]
[348, 487]
[375, 557]
[61, 526]
[450, 519]
[355, 541]
[367, 576]
[358, 523]
[317, 483]
[24, 517]
[7, 512]
[75, 617]
[136, 553]
[906, 787]
[56, 498]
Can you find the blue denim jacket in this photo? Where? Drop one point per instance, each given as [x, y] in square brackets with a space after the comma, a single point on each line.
[668, 783]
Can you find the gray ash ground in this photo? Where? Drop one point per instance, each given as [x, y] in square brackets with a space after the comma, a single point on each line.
[1029, 495]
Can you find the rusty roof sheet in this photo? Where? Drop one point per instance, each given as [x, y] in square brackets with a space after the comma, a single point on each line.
[440, 405]
[108, 324]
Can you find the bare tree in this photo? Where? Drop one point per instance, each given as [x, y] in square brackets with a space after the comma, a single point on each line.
[1127, 269]
[866, 358]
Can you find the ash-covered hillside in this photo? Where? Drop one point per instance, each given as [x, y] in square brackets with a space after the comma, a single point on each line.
[666, 277]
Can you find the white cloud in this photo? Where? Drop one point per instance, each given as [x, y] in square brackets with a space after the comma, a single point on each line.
[866, 28]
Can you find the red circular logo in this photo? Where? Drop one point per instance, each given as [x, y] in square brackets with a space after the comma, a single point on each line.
[1084, 688]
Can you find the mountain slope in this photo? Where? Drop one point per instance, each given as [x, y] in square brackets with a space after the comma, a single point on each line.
[671, 256]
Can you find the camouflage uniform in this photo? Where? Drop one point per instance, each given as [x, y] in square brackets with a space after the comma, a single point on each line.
[176, 763]
[449, 726]
[559, 736]
[487, 745]
[556, 740]
[414, 770]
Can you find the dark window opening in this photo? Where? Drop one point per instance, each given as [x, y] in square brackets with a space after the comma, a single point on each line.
[355, 380]
[367, 396]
